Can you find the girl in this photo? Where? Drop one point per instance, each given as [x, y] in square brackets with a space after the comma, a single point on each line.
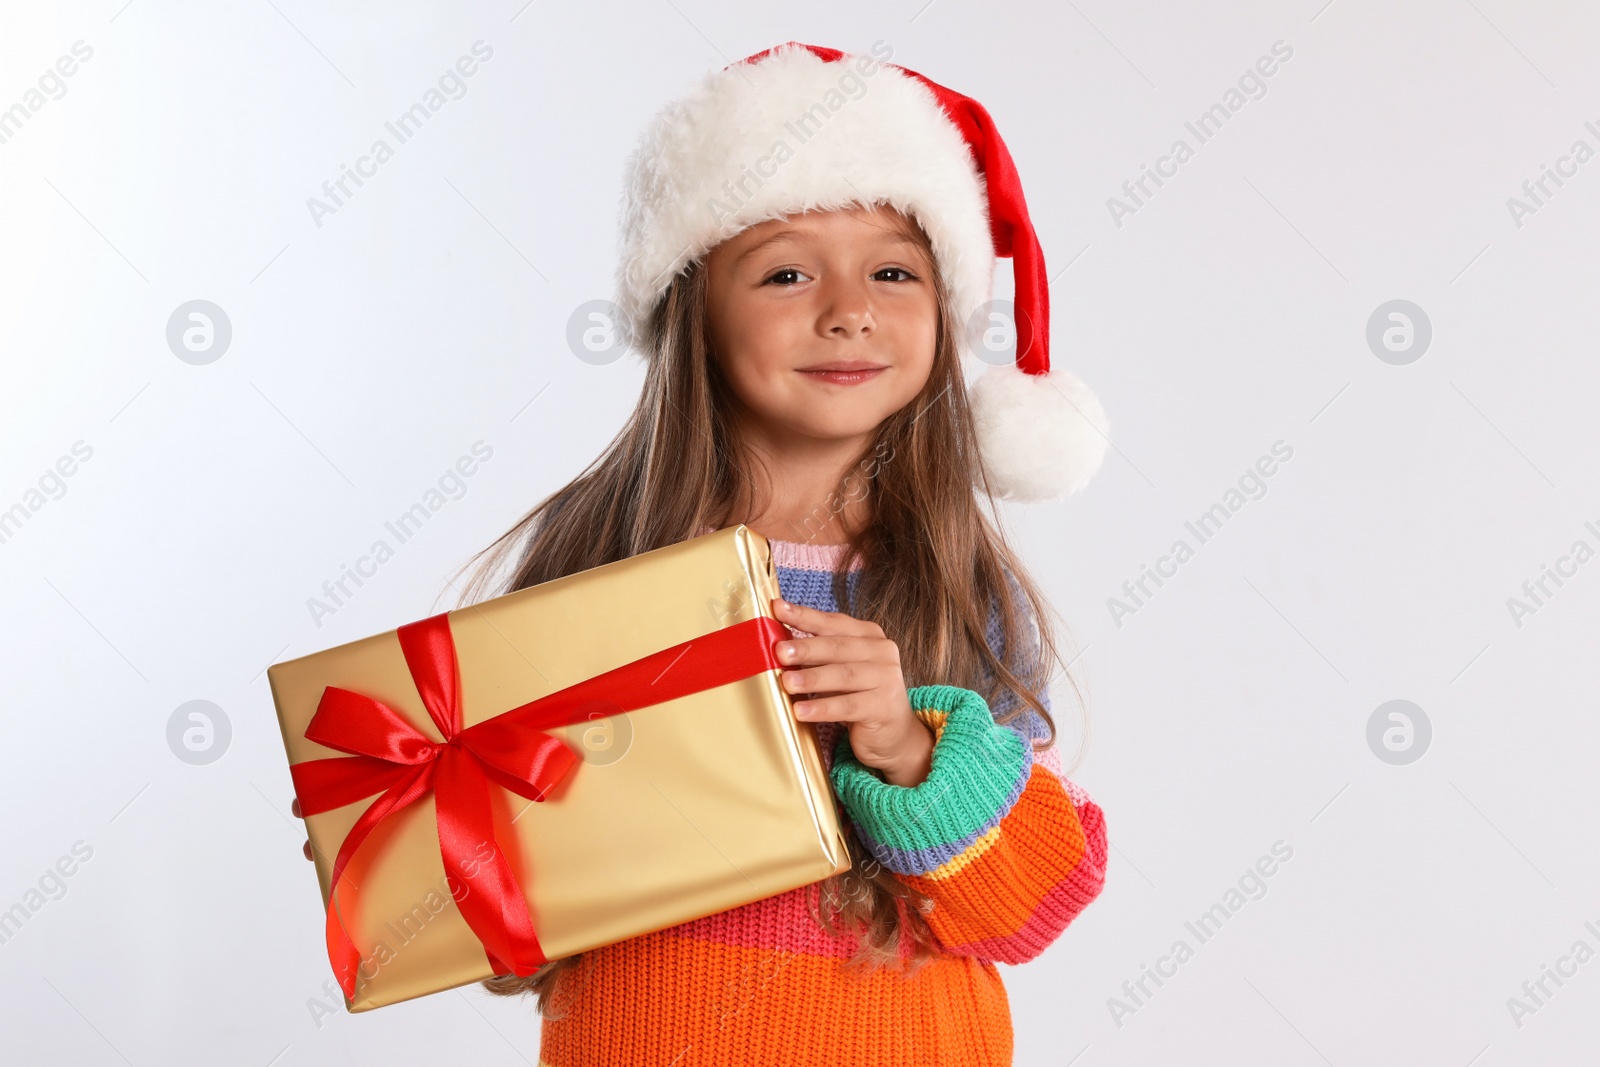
[806, 237]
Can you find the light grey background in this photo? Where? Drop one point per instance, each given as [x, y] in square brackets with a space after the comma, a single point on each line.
[1227, 313]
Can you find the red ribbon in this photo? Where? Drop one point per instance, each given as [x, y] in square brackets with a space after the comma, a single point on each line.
[391, 756]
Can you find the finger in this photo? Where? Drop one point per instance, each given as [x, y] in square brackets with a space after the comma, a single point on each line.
[294, 806]
[817, 621]
[805, 651]
[305, 849]
[839, 707]
[837, 678]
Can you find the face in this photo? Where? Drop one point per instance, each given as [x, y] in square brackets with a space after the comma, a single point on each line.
[791, 298]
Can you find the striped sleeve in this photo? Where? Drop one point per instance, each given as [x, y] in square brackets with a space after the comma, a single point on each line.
[1008, 849]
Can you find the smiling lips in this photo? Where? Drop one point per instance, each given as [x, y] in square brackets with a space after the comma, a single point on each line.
[844, 372]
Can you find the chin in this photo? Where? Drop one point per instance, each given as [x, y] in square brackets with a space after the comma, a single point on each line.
[840, 427]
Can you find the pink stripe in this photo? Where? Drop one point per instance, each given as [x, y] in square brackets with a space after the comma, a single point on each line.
[808, 556]
[780, 923]
[1050, 759]
[803, 555]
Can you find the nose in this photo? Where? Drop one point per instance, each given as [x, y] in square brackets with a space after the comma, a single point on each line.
[847, 312]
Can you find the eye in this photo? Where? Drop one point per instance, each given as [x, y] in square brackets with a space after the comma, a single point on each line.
[786, 276]
[904, 275]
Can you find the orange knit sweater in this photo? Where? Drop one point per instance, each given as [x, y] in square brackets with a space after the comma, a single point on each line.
[1009, 850]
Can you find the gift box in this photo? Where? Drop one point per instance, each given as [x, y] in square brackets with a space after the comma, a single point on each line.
[553, 770]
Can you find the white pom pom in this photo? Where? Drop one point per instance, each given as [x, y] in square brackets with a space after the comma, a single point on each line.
[1041, 437]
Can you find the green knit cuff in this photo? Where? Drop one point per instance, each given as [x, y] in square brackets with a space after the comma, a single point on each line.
[979, 769]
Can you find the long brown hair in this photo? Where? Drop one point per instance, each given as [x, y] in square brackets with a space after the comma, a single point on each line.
[937, 568]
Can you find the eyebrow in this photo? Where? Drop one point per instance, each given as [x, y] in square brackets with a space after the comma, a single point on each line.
[893, 236]
[781, 235]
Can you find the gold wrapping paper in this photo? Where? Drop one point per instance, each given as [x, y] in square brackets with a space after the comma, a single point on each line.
[679, 810]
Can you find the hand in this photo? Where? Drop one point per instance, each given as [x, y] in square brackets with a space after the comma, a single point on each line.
[852, 672]
[294, 806]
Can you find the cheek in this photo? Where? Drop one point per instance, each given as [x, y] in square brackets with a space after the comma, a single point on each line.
[930, 337]
[917, 334]
[753, 351]
[755, 342]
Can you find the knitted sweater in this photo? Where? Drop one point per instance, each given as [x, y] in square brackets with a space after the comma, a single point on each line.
[1009, 850]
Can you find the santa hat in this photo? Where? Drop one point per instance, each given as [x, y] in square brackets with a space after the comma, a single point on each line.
[798, 128]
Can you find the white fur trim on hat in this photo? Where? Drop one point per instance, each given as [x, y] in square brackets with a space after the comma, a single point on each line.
[792, 133]
[1041, 436]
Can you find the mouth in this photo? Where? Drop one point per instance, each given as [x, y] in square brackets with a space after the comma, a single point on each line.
[844, 373]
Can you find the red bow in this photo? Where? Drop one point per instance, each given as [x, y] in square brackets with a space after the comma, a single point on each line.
[512, 750]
